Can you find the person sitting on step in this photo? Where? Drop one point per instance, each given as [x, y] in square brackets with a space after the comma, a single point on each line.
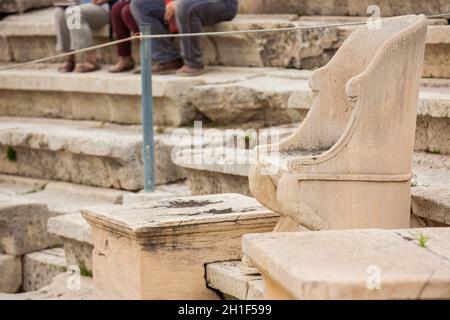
[123, 25]
[190, 16]
[74, 25]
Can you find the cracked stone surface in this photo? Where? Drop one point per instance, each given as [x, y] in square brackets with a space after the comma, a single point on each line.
[410, 263]
[142, 217]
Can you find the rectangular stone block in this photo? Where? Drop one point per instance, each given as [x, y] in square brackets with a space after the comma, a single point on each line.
[353, 264]
[23, 226]
[10, 273]
[39, 268]
[173, 238]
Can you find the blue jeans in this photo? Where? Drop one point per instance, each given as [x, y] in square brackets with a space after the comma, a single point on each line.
[191, 15]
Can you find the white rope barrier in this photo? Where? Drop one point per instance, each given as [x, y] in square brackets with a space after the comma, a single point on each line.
[200, 34]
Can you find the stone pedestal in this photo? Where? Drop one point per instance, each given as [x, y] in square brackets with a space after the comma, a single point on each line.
[158, 249]
[353, 264]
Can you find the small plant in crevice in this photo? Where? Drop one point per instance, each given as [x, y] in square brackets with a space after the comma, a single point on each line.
[414, 183]
[11, 154]
[422, 240]
[434, 151]
[85, 272]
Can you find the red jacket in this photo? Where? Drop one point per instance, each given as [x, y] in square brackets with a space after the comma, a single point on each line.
[172, 22]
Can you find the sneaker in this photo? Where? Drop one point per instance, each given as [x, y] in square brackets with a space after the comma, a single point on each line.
[188, 71]
[164, 68]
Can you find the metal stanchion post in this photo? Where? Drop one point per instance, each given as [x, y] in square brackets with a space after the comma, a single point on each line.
[147, 110]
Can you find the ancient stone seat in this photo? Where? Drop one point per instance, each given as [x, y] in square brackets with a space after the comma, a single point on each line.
[348, 165]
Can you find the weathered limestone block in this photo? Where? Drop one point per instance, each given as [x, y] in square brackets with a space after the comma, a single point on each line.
[76, 235]
[366, 264]
[173, 238]
[65, 286]
[10, 273]
[207, 182]
[431, 196]
[340, 8]
[272, 100]
[23, 226]
[12, 6]
[82, 152]
[304, 49]
[45, 92]
[433, 135]
[39, 268]
[343, 149]
[235, 280]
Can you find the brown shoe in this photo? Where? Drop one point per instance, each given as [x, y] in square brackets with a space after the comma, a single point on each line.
[188, 71]
[164, 68]
[124, 64]
[68, 66]
[88, 67]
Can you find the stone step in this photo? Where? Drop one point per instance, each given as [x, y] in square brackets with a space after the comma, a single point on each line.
[353, 264]
[14, 6]
[251, 97]
[62, 200]
[39, 268]
[44, 92]
[89, 153]
[220, 170]
[337, 7]
[32, 36]
[66, 286]
[235, 280]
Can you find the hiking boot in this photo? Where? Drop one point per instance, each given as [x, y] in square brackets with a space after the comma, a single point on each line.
[188, 71]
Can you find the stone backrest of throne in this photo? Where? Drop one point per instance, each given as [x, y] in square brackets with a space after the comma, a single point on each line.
[348, 164]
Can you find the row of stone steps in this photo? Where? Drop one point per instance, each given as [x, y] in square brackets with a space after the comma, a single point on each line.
[249, 97]
[328, 7]
[32, 36]
[339, 7]
[90, 153]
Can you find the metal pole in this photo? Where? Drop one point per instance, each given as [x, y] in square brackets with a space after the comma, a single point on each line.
[147, 110]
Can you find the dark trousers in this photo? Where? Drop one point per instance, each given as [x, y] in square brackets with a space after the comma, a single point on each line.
[123, 24]
[191, 15]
